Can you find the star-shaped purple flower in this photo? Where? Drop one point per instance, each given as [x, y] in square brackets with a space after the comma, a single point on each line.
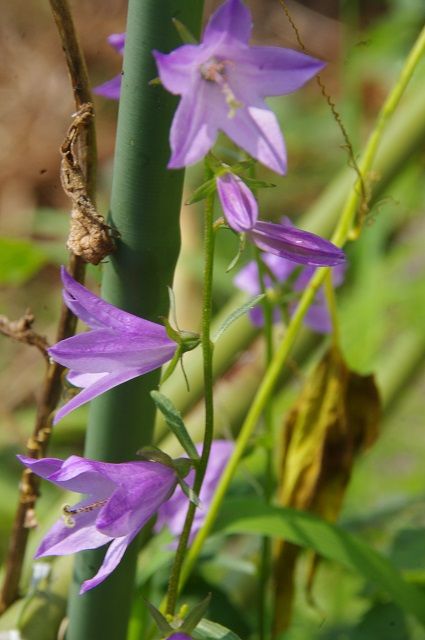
[317, 317]
[112, 88]
[223, 82]
[121, 498]
[119, 347]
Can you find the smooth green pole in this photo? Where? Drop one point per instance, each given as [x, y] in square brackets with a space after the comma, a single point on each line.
[145, 205]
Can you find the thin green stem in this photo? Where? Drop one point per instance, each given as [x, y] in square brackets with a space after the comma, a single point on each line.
[207, 351]
[265, 556]
[340, 237]
[332, 308]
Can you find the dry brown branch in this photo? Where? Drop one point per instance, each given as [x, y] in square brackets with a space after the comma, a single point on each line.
[51, 391]
[22, 331]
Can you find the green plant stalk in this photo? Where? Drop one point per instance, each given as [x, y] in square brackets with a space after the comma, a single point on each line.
[272, 375]
[145, 204]
[265, 555]
[207, 350]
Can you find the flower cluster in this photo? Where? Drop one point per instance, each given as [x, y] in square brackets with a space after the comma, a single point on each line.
[223, 82]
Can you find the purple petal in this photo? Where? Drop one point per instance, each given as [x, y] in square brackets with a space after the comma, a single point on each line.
[111, 561]
[103, 350]
[117, 40]
[176, 68]
[179, 636]
[255, 129]
[137, 500]
[247, 279]
[61, 540]
[108, 381]
[195, 124]
[110, 89]
[83, 380]
[231, 22]
[276, 71]
[239, 205]
[318, 319]
[296, 245]
[97, 312]
[173, 512]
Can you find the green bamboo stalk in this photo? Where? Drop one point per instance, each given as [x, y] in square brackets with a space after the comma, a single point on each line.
[145, 206]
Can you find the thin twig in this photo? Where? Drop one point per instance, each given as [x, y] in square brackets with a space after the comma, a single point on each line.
[364, 191]
[51, 391]
[22, 331]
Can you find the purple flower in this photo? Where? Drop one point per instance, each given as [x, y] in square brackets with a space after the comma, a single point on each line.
[238, 203]
[223, 82]
[317, 317]
[121, 498]
[286, 241]
[173, 513]
[112, 88]
[119, 347]
[179, 636]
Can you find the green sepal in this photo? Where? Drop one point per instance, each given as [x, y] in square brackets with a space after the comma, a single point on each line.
[256, 184]
[185, 34]
[161, 622]
[172, 365]
[237, 313]
[189, 492]
[241, 249]
[195, 616]
[153, 454]
[203, 191]
[175, 422]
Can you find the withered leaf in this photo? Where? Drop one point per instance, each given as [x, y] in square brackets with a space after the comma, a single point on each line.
[335, 418]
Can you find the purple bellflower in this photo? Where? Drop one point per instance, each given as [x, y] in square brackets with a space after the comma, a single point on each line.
[121, 498]
[112, 88]
[172, 513]
[317, 317]
[179, 636]
[119, 347]
[284, 240]
[239, 205]
[223, 82]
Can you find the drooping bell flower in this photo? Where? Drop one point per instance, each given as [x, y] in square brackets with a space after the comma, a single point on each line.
[223, 82]
[120, 346]
[282, 270]
[120, 499]
[172, 514]
[112, 88]
[239, 205]
[284, 240]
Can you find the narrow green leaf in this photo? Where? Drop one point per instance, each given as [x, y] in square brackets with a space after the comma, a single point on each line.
[330, 541]
[207, 630]
[206, 189]
[195, 615]
[237, 313]
[257, 184]
[175, 422]
[184, 33]
[160, 621]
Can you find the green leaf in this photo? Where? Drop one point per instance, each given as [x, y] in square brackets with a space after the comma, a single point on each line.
[202, 192]
[252, 516]
[195, 615]
[184, 33]
[207, 630]
[257, 184]
[19, 260]
[237, 313]
[175, 422]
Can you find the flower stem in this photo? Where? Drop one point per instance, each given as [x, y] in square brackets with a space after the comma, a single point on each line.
[145, 205]
[340, 237]
[265, 555]
[207, 351]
